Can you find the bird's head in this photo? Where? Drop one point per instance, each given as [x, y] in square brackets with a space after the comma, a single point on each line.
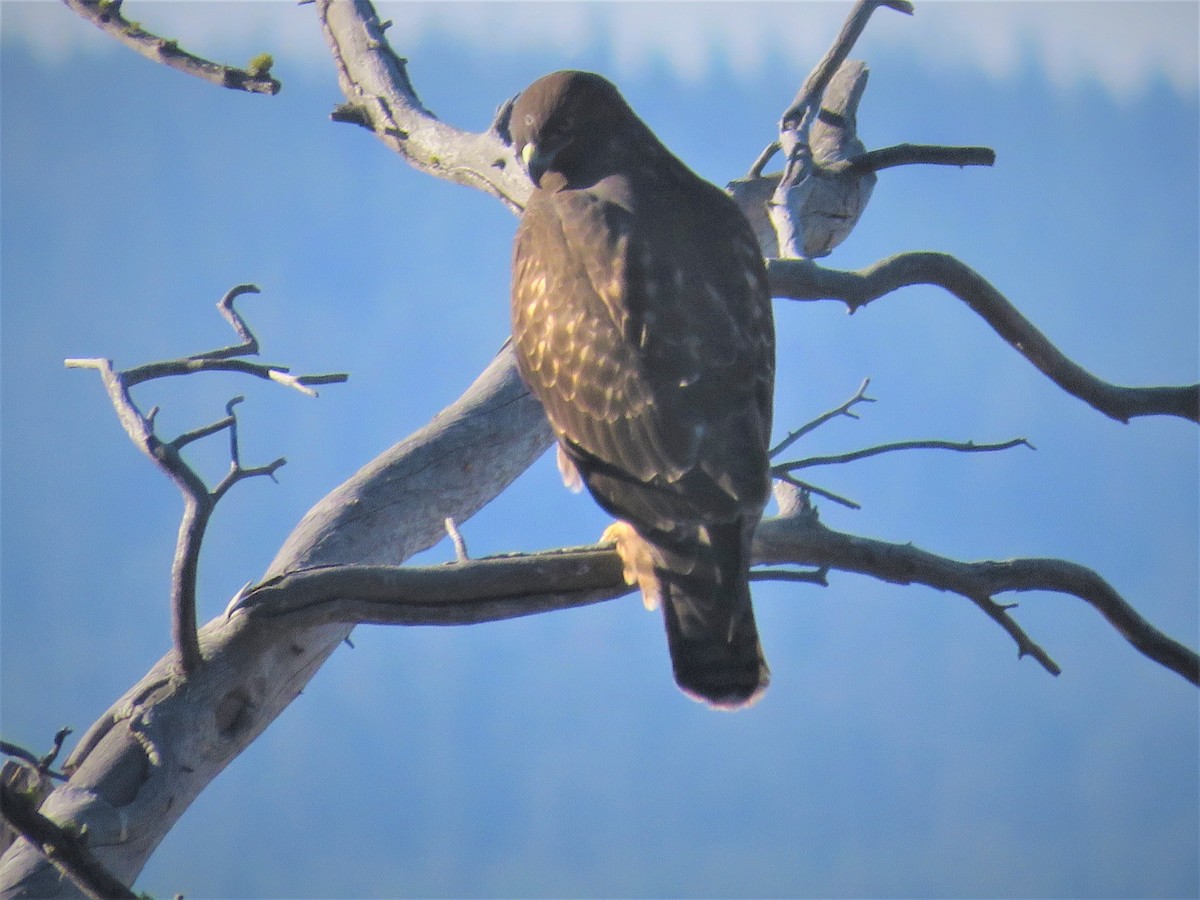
[558, 122]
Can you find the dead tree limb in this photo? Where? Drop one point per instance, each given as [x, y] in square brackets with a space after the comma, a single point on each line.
[802, 279]
[199, 501]
[381, 97]
[800, 539]
[106, 15]
[834, 459]
[139, 767]
[66, 850]
[494, 588]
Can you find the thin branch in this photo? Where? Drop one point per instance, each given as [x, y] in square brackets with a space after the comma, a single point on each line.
[913, 154]
[801, 279]
[236, 473]
[789, 478]
[456, 538]
[760, 162]
[809, 96]
[203, 431]
[106, 15]
[890, 157]
[249, 344]
[19, 752]
[846, 409]
[866, 452]
[174, 367]
[198, 501]
[39, 764]
[222, 359]
[799, 576]
[63, 848]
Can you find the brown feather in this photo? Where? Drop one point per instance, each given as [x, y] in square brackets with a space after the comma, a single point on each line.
[642, 322]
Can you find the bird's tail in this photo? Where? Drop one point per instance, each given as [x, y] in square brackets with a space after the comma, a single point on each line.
[711, 633]
[704, 590]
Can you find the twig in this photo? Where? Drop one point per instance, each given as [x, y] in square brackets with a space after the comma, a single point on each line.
[802, 279]
[854, 455]
[860, 396]
[789, 478]
[199, 500]
[456, 538]
[173, 367]
[16, 750]
[40, 764]
[801, 576]
[913, 154]
[249, 344]
[106, 15]
[223, 359]
[64, 849]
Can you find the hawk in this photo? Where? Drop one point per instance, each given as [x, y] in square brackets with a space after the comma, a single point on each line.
[642, 322]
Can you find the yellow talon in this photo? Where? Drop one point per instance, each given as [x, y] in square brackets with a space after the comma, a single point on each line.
[637, 561]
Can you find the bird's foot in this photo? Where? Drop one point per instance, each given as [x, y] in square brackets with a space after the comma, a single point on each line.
[637, 561]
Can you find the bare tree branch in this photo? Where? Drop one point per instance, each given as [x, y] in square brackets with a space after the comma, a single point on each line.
[791, 207]
[912, 155]
[789, 478]
[249, 344]
[139, 767]
[853, 455]
[106, 15]
[846, 409]
[65, 850]
[460, 593]
[198, 501]
[494, 588]
[800, 539]
[42, 763]
[381, 97]
[801, 279]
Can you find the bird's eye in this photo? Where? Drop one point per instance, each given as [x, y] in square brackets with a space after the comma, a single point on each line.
[561, 127]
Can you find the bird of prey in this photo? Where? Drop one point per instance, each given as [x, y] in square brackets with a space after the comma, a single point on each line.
[642, 322]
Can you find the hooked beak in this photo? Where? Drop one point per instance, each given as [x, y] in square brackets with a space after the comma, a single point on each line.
[535, 162]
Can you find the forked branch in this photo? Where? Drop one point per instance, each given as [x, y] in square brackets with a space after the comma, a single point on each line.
[381, 97]
[198, 500]
[846, 409]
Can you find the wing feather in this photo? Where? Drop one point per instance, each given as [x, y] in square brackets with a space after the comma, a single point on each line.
[648, 339]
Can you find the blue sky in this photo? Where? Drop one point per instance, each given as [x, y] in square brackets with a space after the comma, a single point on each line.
[902, 749]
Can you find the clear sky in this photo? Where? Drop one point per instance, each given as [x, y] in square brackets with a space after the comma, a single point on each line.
[903, 749]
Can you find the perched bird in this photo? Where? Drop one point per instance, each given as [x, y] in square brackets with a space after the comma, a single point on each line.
[642, 322]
